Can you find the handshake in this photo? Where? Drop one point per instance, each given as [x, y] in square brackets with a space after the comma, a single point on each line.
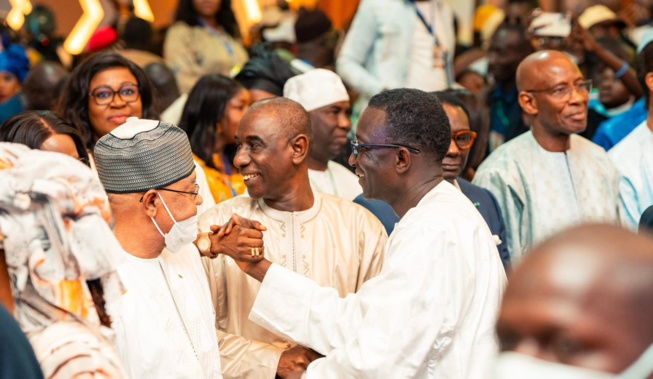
[240, 238]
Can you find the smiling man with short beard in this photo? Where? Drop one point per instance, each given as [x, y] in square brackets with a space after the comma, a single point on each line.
[550, 178]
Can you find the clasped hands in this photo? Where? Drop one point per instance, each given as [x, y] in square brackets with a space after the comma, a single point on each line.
[240, 238]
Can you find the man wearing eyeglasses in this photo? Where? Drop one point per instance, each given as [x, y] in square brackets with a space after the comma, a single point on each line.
[550, 178]
[165, 327]
[430, 313]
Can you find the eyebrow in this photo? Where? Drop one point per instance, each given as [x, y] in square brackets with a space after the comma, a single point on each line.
[111, 88]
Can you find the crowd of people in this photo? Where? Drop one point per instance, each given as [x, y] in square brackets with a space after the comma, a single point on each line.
[382, 201]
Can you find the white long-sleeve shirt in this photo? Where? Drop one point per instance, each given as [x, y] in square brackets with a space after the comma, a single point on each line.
[430, 313]
[166, 328]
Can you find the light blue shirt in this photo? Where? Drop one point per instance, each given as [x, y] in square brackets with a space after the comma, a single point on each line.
[633, 157]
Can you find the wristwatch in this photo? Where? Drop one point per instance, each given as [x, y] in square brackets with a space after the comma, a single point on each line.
[204, 245]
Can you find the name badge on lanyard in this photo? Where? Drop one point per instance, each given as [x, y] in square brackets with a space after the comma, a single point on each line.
[439, 54]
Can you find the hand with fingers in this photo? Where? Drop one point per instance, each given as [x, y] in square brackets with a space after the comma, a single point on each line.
[239, 238]
[295, 360]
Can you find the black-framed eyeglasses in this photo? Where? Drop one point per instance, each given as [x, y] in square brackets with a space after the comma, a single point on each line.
[355, 146]
[192, 194]
[464, 139]
[105, 95]
[563, 92]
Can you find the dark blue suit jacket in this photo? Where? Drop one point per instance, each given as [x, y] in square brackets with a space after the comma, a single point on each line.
[483, 199]
[487, 205]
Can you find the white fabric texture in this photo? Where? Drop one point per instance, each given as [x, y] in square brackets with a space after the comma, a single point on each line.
[316, 89]
[633, 157]
[430, 313]
[541, 193]
[158, 309]
[336, 243]
[336, 180]
[422, 74]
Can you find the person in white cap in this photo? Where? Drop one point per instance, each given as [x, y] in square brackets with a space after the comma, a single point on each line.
[330, 240]
[165, 327]
[323, 95]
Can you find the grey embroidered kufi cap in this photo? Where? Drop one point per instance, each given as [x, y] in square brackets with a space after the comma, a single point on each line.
[140, 155]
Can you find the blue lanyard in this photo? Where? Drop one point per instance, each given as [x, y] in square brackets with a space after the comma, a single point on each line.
[423, 19]
[214, 33]
[227, 169]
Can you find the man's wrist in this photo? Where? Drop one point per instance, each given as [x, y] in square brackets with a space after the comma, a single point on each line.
[258, 270]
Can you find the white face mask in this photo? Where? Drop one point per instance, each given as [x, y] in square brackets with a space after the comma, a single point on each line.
[515, 365]
[181, 233]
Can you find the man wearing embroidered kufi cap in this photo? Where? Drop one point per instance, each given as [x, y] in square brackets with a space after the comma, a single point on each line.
[323, 95]
[167, 327]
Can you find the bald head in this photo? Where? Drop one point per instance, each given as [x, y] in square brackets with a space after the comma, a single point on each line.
[530, 70]
[43, 85]
[592, 283]
[288, 114]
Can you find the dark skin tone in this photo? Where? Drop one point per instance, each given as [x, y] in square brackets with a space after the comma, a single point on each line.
[582, 299]
[649, 88]
[330, 127]
[396, 176]
[273, 161]
[554, 119]
[507, 49]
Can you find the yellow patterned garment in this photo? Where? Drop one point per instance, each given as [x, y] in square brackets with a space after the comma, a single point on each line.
[222, 186]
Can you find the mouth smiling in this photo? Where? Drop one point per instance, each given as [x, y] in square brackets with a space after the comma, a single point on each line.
[249, 176]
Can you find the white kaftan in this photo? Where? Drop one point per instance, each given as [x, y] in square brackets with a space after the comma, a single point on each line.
[167, 328]
[336, 180]
[541, 193]
[633, 157]
[429, 313]
[336, 243]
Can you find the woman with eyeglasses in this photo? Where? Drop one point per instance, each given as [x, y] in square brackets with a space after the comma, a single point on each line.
[43, 130]
[101, 93]
[462, 140]
[212, 112]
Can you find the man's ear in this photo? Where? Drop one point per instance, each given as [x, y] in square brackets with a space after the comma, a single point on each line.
[149, 203]
[649, 82]
[528, 103]
[403, 160]
[300, 145]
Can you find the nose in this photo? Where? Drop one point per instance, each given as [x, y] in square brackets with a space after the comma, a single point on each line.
[199, 200]
[579, 96]
[344, 122]
[453, 151]
[241, 159]
[352, 160]
[117, 101]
